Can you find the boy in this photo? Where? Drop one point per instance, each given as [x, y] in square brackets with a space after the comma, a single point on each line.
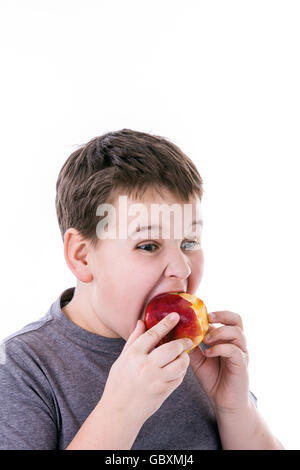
[88, 375]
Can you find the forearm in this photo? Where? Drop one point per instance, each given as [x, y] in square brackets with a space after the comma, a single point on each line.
[246, 430]
[105, 428]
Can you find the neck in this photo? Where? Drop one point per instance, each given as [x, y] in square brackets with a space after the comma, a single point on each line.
[81, 312]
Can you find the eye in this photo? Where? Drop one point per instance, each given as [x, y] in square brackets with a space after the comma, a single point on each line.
[151, 247]
[147, 245]
[194, 243]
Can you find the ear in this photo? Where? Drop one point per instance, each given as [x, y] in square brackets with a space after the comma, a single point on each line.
[75, 251]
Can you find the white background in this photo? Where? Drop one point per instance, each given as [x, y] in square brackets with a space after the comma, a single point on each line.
[218, 78]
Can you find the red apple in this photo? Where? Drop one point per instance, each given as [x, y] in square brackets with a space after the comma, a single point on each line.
[193, 321]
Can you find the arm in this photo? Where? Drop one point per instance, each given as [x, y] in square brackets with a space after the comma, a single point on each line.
[27, 412]
[222, 370]
[105, 428]
[246, 429]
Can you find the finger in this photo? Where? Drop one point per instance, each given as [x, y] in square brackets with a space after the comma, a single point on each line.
[226, 317]
[148, 340]
[176, 368]
[169, 351]
[138, 331]
[210, 329]
[197, 357]
[202, 346]
[227, 333]
[236, 356]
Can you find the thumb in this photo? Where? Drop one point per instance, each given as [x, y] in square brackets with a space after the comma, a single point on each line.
[138, 331]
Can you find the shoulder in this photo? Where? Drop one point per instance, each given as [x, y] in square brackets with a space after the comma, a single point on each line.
[37, 338]
[28, 351]
[30, 337]
[26, 396]
[22, 364]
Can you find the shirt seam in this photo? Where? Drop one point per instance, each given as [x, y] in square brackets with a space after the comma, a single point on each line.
[21, 333]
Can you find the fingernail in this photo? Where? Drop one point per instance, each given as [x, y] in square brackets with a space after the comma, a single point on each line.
[174, 316]
[189, 343]
[212, 316]
[207, 338]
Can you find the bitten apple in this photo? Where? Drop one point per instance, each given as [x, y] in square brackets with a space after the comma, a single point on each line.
[193, 321]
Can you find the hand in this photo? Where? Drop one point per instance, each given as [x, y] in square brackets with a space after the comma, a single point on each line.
[144, 376]
[222, 369]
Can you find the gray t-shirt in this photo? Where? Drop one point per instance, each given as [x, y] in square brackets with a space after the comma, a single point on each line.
[52, 375]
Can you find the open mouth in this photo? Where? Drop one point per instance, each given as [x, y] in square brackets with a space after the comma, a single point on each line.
[155, 295]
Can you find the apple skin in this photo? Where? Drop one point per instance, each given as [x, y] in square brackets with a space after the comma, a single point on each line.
[193, 321]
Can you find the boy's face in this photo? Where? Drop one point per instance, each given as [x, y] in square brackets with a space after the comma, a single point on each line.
[128, 272]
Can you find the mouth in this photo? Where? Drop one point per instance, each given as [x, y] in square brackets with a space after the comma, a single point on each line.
[155, 295]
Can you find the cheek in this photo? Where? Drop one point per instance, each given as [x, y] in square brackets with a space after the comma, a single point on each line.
[127, 290]
[197, 267]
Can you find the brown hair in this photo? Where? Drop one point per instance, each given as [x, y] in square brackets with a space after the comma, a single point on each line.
[124, 160]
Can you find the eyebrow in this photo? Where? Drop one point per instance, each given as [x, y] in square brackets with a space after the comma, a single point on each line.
[148, 227]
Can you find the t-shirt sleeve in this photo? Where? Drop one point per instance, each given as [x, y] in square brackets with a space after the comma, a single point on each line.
[27, 411]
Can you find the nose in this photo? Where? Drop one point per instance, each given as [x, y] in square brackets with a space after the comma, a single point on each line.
[177, 265]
